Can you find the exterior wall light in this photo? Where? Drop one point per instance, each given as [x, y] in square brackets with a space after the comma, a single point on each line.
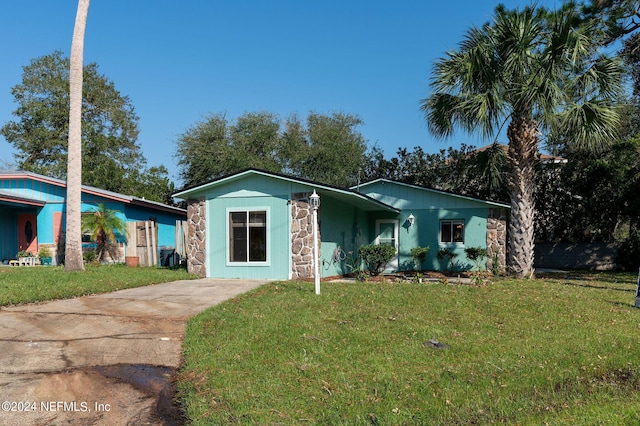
[411, 219]
[314, 200]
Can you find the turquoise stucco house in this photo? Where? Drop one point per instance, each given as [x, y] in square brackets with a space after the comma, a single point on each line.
[439, 220]
[32, 214]
[258, 224]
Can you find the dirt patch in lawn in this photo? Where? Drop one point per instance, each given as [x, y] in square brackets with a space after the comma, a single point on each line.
[105, 395]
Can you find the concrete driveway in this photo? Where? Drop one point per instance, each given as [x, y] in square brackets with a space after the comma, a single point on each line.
[102, 360]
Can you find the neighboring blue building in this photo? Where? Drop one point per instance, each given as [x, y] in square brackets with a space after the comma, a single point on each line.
[32, 214]
[257, 224]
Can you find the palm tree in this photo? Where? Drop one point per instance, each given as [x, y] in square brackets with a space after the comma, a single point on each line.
[103, 224]
[537, 71]
[73, 240]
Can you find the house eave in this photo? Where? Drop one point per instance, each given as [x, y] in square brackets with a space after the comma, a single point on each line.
[424, 188]
[365, 202]
[6, 197]
[110, 195]
[157, 206]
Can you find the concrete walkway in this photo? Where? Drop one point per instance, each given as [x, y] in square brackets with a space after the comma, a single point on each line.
[101, 360]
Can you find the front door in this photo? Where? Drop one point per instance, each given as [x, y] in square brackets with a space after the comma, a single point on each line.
[28, 233]
[387, 233]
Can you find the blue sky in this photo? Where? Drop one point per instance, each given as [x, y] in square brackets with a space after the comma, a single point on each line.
[180, 60]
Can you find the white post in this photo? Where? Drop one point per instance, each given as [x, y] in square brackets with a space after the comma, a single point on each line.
[316, 262]
[314, 201]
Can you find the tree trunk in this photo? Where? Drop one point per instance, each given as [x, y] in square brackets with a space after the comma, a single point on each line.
[522, 154]
[73, 239]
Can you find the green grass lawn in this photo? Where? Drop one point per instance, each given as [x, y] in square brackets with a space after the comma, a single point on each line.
[37, 284]
[560, 350]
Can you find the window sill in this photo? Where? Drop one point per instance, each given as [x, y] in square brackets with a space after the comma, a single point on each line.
[243, 264]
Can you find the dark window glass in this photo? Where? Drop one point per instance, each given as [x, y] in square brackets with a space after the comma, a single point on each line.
[257, 236]
[452, 231]
[458, 232]
[445, 231]
[248, 236]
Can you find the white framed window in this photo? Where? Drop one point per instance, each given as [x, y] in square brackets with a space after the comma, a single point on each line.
[387, 232]
[452, 231]
[247, 233]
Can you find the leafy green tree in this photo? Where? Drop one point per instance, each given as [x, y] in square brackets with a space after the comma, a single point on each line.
[257, 135]
[104, 226]
[109, 124]
[605, 192]
[215, 147]
[557, 206]
[474, 172]
[536, 71]
[465, 171]
[591, 197]
[377, 166]
[329, 148]
[202, 151]
[151, 184]
[111, 157]
[617, 18]
[326, 148]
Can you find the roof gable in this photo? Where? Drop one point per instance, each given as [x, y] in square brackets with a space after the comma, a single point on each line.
[40, 190]
[293, 184]
[12, 199]
[403, 195]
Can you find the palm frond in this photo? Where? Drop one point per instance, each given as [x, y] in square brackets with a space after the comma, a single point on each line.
[603, 78]
[531, 63]
[104, 222]
[592, 125]
[491, 163]
[439, 113]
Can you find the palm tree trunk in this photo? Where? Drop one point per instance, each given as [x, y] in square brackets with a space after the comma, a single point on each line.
[522, 154]
[73, 239]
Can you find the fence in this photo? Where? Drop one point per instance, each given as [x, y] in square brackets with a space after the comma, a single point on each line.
[598, 256]
[143, 244]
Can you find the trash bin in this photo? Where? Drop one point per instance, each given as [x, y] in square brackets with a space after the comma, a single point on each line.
[167, 256]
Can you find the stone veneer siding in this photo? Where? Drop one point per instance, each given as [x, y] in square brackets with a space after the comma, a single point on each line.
[197, 236]
[302, 237]
[497, 238]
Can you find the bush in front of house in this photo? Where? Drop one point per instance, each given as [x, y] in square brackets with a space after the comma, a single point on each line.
[90, 256]
[376, 256]
[448, 256]
[45, 255]
[419, 254]
[476, 255]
